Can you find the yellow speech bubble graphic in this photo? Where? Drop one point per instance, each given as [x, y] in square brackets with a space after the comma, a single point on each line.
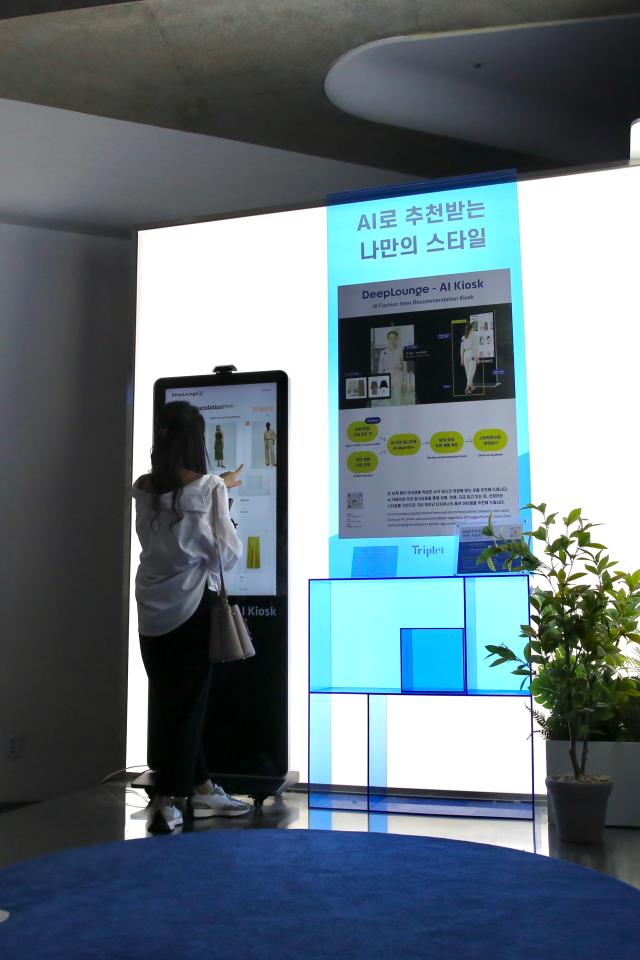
[490, 440]
[362, 462]
[403, 444]
[361, 432]
[447, 441]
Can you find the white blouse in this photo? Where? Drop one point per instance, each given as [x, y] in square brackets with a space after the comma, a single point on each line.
[178, 558]
[391, 361]
[469, 345]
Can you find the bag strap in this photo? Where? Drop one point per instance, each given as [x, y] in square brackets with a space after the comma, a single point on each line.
[214, 497]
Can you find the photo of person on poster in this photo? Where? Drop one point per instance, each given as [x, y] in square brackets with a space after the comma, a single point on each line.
[469, 355]
[387, 357]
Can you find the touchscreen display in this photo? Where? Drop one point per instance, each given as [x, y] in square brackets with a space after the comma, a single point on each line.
[241, 428]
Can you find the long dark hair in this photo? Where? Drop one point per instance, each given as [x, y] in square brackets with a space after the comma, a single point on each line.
[178, 444]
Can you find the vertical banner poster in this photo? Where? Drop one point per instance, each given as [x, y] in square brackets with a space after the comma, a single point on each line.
[427, 373]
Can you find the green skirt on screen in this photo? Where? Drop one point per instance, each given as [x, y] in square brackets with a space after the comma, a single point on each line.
[253, 553]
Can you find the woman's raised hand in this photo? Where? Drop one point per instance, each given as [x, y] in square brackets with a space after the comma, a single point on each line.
[230, 477]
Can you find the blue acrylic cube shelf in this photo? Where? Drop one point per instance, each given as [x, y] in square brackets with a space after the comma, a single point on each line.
[372, 641]
[415, 635]
[432, 660]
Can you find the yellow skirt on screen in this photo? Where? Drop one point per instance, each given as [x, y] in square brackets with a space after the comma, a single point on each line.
[253, 553]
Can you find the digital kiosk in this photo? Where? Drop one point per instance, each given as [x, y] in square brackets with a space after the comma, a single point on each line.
[246, 422]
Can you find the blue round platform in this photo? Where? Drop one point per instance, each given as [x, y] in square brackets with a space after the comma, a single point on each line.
[285, 894]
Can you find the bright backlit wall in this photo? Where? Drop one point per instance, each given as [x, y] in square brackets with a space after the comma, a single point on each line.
[252, 291]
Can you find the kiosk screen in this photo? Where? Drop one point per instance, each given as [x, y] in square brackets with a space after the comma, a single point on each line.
[241, 427]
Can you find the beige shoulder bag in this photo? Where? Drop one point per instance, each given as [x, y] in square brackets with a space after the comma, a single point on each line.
[229, 638]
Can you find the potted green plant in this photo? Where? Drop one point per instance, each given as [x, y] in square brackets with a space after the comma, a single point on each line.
[583, 613]
[614, 747]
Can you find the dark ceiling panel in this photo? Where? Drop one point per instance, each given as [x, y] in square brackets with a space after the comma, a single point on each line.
[213, 67]
[10, 9]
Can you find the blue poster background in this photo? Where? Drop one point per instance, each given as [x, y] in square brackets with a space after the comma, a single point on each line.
[439, 227]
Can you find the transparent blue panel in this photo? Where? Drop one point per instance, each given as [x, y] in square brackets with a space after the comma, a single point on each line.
[432, 661]
[320, 634]
[378, 823]
[340, 691]
[453, 807]
[496, 607]
[416, 556]
[319, 819]
[377, 741]
[524, 474]
[374, 562]
[338, 800]
[473, 746]
[470, 633]
[319, 739]
[366, 617]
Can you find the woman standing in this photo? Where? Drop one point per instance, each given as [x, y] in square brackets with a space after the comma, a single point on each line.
[270, 446]
[469, 356]
[177, 582]
[218, 446]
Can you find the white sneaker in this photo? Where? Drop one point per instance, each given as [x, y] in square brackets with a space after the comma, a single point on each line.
[217, 804]
[164, 819]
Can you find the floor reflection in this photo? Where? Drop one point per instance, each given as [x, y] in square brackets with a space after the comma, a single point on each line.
[114, 811]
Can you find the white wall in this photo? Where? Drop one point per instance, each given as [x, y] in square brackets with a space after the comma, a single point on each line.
[65, 362]
[217, 293]
[581, 280]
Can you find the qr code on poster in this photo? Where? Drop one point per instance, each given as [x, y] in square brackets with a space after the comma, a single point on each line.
[355, 501]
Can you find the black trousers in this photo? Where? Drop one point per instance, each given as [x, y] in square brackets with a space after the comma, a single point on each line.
[179, 672]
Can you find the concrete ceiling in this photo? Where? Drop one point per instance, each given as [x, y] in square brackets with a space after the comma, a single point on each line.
[254, 71]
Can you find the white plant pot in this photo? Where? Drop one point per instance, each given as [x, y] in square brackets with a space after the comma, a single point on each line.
[620, 761]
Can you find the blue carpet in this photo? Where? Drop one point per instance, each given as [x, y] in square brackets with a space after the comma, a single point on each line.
[285, 894]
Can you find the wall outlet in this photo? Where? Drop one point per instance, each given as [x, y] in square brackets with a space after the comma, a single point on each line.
[14, 746]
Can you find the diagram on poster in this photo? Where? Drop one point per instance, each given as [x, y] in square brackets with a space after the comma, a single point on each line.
[427, 405]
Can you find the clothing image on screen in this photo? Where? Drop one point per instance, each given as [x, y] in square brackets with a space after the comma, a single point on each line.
[379, 388]
[218, 446]
[257, 483]
[253, 553]
[222, 444]
[270, 437]
[356, 388]
[264, 442]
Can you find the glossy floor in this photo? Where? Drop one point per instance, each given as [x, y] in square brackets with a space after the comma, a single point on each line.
[117, 811]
